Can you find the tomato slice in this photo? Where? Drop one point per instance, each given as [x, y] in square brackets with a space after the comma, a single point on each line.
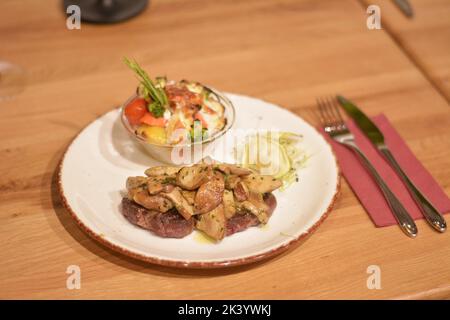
[149, 119]
[135, 110]
[198, 116]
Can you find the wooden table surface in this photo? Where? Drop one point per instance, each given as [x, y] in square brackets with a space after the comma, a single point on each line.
[287, 52]
[425, 39]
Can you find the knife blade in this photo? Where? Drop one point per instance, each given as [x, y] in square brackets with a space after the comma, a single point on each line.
[431, 214]
[366, 125]
[405, 7]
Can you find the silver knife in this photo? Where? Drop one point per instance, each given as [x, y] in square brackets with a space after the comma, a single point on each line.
[376, 137]
[405, 7]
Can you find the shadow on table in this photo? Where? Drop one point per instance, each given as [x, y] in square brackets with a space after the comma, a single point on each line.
[106, 253]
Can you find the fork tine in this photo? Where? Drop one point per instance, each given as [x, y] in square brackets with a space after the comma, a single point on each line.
[322, 116]
[334, 112]
[329, 111]
[337, 109]
[329, 114]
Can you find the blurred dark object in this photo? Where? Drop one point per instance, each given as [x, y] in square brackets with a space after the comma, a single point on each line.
[405, 7]
[107, 11]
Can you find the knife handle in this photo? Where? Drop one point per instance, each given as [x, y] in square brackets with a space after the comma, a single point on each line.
[404, 220]
[431, 214]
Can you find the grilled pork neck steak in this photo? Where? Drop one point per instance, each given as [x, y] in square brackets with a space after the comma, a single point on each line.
[216, 198]
[164, 224]
[172, 225]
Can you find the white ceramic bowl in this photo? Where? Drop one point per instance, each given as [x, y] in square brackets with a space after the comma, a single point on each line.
[196, 150]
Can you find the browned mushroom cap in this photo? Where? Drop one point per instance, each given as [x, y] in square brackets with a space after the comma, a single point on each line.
[213, 223]
[190, 178]
[157, 184]
[189, 196]
[256, 210]
[162, 171]
[228, 204]
[231, 181]
[257, 206]
[132, 192]
[157, 203]
[261, 184]
[210, 194]
[233, 169]
[180, 203]
[241, 191]
[135, 182]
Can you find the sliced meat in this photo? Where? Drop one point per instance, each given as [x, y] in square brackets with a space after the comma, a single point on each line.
[213, 223]
[271, 202]
[180, 203]
[157, 202]
[241, 222]
[169, 225]
[210, 194]
[261, 184]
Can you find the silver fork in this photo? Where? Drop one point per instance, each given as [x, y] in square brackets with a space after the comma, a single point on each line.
[335, 127]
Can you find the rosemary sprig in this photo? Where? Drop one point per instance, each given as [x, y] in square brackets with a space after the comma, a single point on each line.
[157, 95]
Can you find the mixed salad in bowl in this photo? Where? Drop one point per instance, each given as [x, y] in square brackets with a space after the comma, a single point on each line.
[172, 112]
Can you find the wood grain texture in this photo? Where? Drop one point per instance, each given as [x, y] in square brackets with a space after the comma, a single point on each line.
[425, 38]
[287, 52]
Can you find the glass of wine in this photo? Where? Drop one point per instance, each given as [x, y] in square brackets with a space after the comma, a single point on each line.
[12, 80]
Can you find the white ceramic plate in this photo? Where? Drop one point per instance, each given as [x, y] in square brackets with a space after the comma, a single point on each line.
[95, 166]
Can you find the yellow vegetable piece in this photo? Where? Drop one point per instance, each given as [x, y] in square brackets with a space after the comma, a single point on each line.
[152, 134]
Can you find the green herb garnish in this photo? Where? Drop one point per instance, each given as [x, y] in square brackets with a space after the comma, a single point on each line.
[149, 90]
[197, 132]
[168, 180]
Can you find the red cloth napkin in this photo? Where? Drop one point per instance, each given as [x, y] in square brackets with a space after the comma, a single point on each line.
[364, 186]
